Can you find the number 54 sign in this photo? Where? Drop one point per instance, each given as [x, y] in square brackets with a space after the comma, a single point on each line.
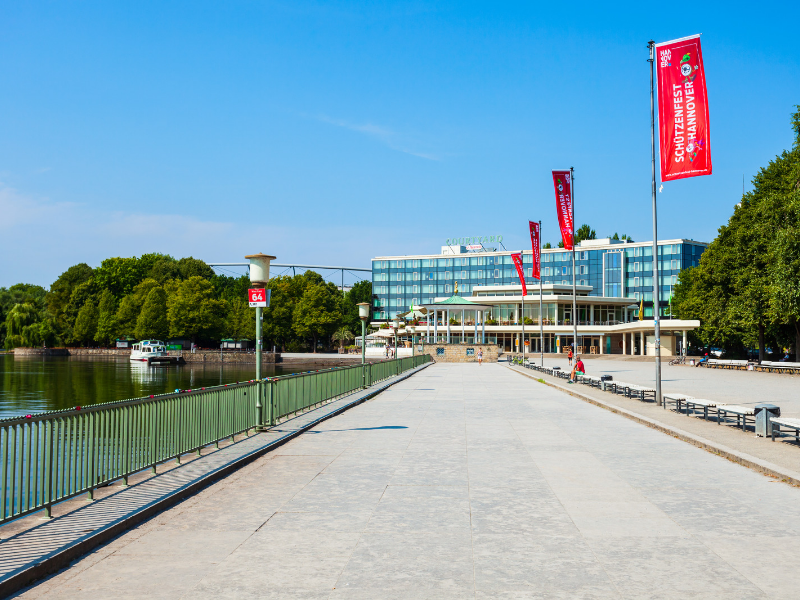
[259, 297]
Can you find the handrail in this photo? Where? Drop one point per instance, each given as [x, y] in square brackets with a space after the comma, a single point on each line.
[52, 456]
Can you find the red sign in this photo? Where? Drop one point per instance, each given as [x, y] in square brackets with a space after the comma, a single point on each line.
[257, 297]
[683, 127]
[517, 258]
[537, 249]
[563, 185]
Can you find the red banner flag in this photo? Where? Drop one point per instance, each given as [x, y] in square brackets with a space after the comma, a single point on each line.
[683, 127]
[563, 185]
[517, 258]
[536, 244]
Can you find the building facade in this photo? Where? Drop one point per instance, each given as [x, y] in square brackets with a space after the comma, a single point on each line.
[621, 270]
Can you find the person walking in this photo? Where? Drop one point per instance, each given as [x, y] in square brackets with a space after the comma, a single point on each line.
[578, 370]
[480, 356]
[569, 356]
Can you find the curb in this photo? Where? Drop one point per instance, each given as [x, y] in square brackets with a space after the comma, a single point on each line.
[741, 458]
[56, 561]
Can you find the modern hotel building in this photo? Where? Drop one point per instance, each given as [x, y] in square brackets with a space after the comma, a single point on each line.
[613, 277]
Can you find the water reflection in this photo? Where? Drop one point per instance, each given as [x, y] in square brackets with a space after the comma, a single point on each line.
[31, 384]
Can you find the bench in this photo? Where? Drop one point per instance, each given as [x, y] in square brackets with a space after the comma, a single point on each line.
[676, 398]
[640, 391]
[787, 423]
[692, 403]
[741, 413]
[717, 363]
[784, 366]
[590, 380]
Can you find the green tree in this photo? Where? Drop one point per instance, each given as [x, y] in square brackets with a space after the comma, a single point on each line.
[584, 232]
[58, 298]
[193, 311]
[131, 305]
[360, 292]
[547, 246]
[152, 321]
[342, 335]
[107, 318]
[20, 293]
[86, 323]
[745, 289]
[240, 322]
[317, 314]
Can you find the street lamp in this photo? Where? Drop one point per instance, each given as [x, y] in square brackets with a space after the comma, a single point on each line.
[412, 330]
[259, 277]
[363, 314]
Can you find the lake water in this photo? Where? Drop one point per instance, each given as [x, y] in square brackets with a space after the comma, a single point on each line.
[36, 384]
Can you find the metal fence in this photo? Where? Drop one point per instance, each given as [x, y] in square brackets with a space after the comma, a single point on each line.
[48, 457]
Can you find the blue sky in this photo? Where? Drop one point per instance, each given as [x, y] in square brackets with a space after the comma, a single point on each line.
[332, 132]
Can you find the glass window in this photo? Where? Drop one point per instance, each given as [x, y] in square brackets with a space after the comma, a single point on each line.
[497, 274]
[416, 276]
[415, 264]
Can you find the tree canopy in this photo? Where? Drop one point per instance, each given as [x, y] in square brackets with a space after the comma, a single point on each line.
[746, 288]
[158, 296]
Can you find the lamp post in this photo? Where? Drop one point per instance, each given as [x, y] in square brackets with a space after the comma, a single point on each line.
[259, 277]
[363, 314]
[412, 330]
[396, 333]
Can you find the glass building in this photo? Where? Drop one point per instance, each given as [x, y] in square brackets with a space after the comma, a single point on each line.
[611, 268]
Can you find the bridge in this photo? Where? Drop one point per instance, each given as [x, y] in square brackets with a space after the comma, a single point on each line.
[459, 481]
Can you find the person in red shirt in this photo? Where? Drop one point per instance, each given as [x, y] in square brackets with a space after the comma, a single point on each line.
[569, 356]
[578, 370]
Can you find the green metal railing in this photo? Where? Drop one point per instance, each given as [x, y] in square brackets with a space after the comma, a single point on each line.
[48, 457]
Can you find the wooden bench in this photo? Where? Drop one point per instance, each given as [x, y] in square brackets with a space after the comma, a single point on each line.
[676, 398]
[692, 403]
[741, 413]
[640, 391]
[787, 423]
[717, 363]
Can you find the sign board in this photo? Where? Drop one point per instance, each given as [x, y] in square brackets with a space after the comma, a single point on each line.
[475, 247]
[259, 297]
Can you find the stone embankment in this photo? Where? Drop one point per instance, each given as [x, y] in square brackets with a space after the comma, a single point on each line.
[201, 356]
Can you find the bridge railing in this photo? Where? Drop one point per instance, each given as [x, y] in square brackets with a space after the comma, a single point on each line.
[49, 457]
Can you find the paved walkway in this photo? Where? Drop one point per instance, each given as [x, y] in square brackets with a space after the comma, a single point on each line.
[465, 482]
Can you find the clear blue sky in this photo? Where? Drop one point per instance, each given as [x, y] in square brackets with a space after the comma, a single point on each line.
[331, 132]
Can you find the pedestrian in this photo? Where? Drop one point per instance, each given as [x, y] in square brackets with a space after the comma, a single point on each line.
[480, 356]
[386, 351]
[569, 355]
[578, 370]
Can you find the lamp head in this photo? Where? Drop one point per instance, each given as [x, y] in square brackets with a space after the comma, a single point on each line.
[259, 268]
[363, 310]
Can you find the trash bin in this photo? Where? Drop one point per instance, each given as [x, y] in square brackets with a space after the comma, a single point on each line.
[763, 413]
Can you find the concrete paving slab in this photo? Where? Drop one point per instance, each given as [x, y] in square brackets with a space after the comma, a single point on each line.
[500, 487]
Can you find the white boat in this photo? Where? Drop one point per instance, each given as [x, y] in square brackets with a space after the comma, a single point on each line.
[151, 351]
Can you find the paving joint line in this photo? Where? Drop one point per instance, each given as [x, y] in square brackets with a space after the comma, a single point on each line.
[51, 562]
[741, 458]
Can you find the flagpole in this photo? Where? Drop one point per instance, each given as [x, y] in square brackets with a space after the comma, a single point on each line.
[541, 316]
[656, 287]
[574, 293]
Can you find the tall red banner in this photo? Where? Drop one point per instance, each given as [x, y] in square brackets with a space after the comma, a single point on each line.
[517, 258]
[563, 185]
[536, 245]
[683, 127]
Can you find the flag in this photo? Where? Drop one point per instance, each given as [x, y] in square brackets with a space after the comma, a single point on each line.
[563, 186]
[536, 244]
[683, 127]
[641, 308]
[517, 258]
